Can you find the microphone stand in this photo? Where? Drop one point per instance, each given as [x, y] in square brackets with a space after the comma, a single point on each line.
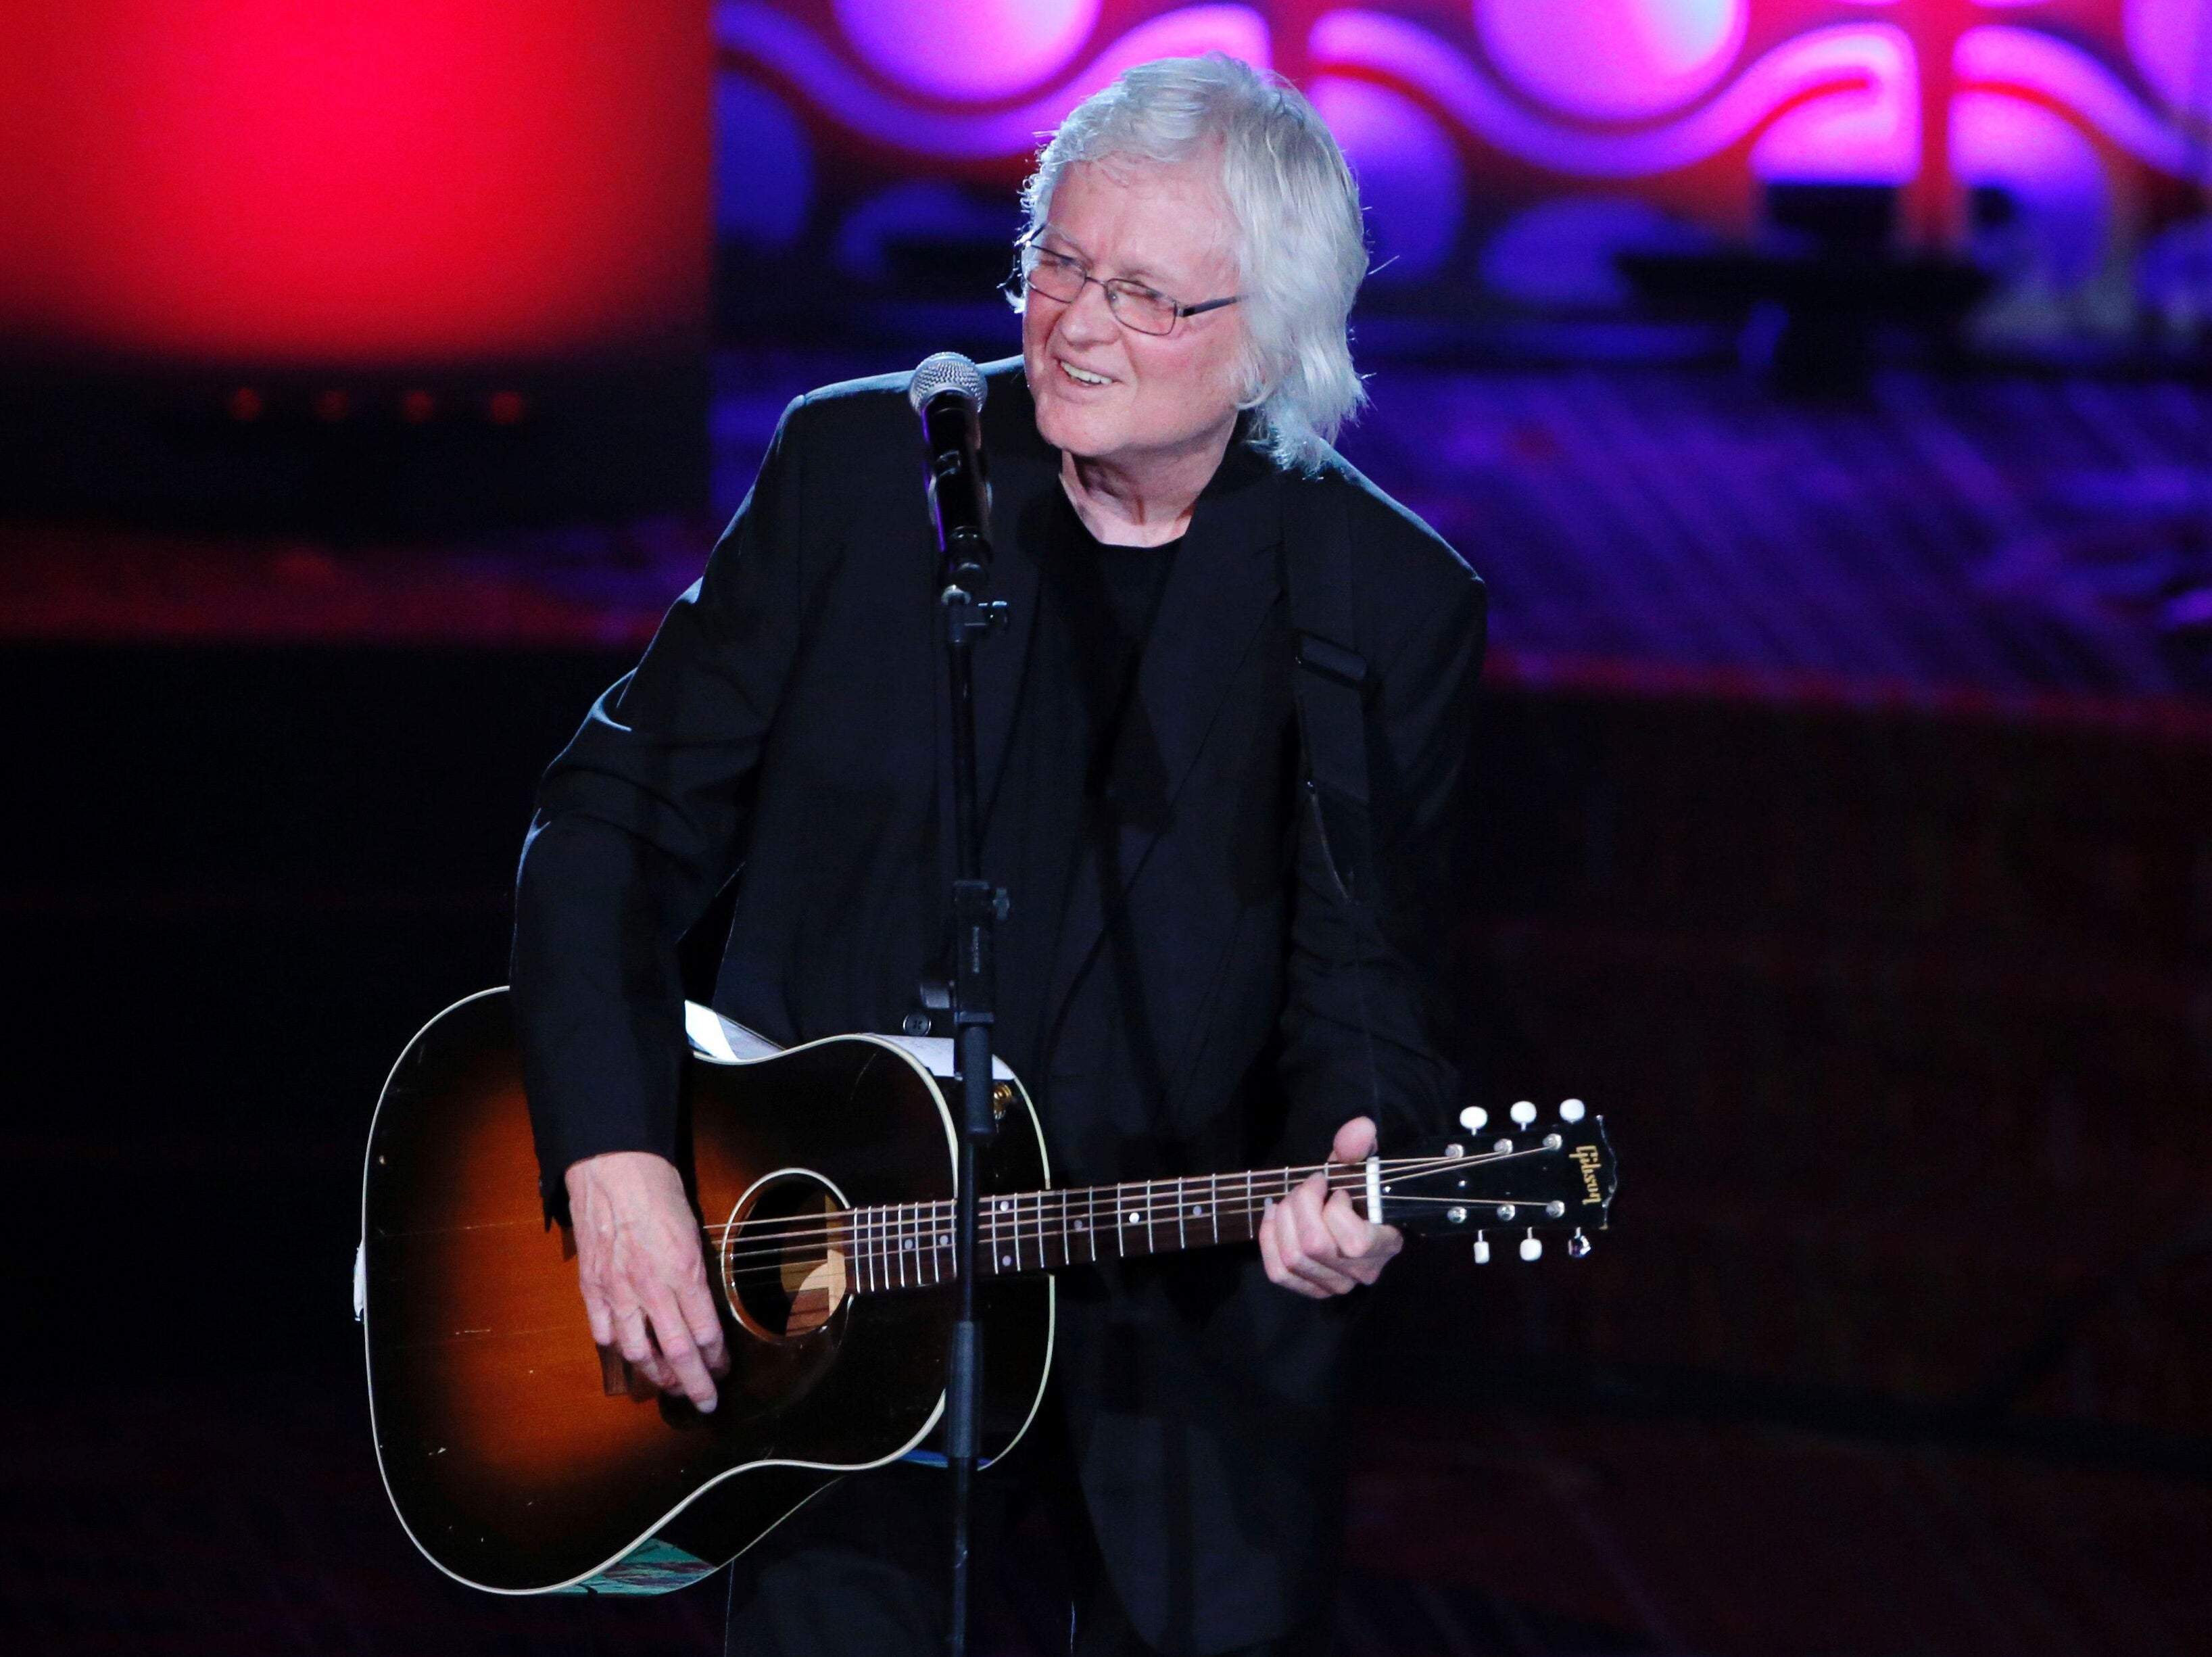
[977, 906]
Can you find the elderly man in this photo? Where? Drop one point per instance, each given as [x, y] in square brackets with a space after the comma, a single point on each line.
[1184, 983]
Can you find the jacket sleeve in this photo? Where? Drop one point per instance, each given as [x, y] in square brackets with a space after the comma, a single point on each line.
[640, 821]
[1361, 1020]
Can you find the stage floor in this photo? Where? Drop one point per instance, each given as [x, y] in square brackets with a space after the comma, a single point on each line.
[200, 1522]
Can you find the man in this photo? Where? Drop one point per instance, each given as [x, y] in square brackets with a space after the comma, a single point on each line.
[1182, 983]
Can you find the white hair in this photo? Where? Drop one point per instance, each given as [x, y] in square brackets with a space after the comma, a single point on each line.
[1299, 242]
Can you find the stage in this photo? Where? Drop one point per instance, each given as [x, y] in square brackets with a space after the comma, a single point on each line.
[2014, 544]
[1842, 782]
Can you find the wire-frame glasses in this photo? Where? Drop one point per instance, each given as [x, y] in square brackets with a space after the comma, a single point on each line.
[1060, 278]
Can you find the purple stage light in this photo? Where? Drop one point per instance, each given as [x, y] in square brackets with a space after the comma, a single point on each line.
[1444, 105]
[2067, 76]
[2052, 173]
[2170, 41]
[796, 52]
[1411, 182]
[1864, 134]
[1612, 60]
[968, 51]
[1834, 63]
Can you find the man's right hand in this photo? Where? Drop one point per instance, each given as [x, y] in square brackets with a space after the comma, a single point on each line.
[643, 1275]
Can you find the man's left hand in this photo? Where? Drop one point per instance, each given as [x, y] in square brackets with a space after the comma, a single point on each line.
[1314, 1243]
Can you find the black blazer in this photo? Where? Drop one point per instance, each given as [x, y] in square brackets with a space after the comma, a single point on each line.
[785, 719]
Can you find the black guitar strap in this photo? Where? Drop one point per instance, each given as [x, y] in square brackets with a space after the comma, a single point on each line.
[1329, 682]
[1330, 685]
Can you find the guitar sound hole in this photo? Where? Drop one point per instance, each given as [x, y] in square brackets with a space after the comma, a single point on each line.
[784, 1265]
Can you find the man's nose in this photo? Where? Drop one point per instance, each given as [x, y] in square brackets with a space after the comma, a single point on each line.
[1089, 320]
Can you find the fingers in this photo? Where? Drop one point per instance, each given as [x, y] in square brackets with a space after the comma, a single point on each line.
[694, 1304]
[1347, 1229]
[1316, 1244]
[692, 1343]
[600, 1316]
[1272, 1227]
[679, 1352]
[697, 1306]
[642, 1274]
[653, 1333]
[636, 1345]
[698, 1327]
[1300, 1253]
[1362, 1249]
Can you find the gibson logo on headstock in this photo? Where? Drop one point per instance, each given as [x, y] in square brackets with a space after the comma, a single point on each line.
[1586, 1158]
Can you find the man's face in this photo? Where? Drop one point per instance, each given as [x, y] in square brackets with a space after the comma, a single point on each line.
[1105, 392]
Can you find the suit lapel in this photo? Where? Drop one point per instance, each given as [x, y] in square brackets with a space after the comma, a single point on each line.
[1024, 472]
[1222, 585]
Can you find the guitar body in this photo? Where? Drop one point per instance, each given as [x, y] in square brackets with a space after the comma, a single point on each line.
[522, 1459]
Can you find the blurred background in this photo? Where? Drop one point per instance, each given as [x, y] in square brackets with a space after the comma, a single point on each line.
[1823, 386]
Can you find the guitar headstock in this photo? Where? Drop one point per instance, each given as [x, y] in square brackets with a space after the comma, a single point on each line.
[1512, 1180]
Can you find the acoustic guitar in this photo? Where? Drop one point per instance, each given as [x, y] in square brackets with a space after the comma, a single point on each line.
[523, 1458]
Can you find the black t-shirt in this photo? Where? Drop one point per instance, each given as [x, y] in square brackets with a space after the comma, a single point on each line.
[1070, 780]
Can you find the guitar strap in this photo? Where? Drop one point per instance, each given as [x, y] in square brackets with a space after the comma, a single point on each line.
[1329, 682]
[1329, 687]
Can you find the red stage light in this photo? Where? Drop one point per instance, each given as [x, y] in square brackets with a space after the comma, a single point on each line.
[507, 408]
[331, 407]
[416, 407]
[417, 180]
[245, 403]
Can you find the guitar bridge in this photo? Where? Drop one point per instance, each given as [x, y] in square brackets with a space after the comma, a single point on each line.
[614, 1374]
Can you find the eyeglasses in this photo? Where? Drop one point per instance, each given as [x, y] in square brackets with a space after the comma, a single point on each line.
[1061, 279]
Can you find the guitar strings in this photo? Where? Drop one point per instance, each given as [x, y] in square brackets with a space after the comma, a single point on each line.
[1343, 1177]
[1352, 1177]
[866, 1233]
[882, 1261]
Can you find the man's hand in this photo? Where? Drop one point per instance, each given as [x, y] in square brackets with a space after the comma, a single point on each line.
[1314, 1243]
[643, 1275]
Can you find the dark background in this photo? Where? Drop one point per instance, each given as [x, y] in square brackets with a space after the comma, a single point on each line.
[1900, 1021]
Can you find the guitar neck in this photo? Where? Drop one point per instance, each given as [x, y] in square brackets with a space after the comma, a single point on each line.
[911, 1244]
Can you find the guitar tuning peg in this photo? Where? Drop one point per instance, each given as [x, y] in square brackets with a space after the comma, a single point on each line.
[1523, 1113]
[1571, 1110]
[1473, 1118]
[1578, 1245]
[1532, 1246]
[1481, 1249]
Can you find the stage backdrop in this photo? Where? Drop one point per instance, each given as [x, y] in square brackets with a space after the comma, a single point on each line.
[1507, 145]
[315, 257]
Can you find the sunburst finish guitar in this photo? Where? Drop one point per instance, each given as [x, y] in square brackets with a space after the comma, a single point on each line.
[522, 1459]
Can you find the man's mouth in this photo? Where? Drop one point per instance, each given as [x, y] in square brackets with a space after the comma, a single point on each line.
[1082, 376]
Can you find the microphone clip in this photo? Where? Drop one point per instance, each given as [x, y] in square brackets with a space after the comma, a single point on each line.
[966, 620]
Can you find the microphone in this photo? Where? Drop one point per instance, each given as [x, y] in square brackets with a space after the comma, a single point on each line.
[948, 392]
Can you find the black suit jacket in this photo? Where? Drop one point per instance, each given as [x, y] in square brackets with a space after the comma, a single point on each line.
[785, 719]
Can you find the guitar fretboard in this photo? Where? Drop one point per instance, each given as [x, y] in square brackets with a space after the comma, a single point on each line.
[910, 1246]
